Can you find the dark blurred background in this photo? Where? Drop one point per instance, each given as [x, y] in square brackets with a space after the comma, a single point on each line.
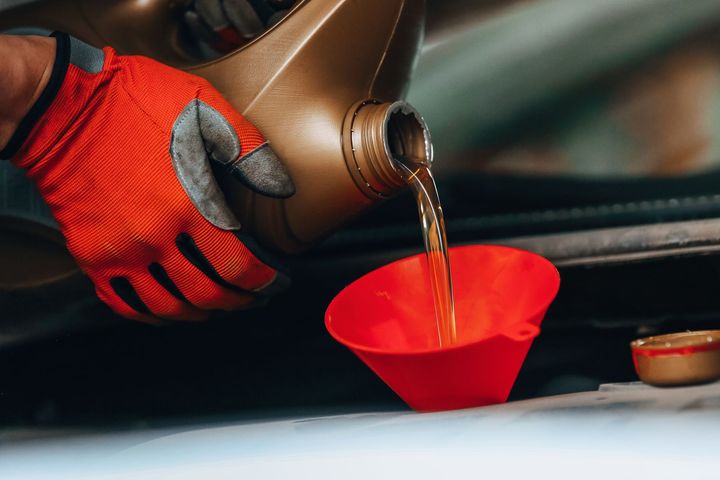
[548, 117]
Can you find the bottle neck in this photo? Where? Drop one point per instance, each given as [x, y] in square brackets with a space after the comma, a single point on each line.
[376, 137]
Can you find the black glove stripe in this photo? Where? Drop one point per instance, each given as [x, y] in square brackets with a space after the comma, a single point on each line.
[160, 275]
[260, 253]
[189, 249]
[282, 280]
[124, 289]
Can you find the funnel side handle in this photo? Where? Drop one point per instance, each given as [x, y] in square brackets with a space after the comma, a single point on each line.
[523, 332]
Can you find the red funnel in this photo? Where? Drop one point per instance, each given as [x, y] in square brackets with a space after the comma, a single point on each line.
[387, 319]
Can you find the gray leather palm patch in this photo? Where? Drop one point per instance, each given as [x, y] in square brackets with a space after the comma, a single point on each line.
[189, 154]
[201, 134]
[262, 171]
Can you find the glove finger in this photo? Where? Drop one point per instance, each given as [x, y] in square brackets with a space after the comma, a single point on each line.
[120, 306]
[236, 265]
[244, 18]
[221, 40]
[260, 253]
[200, 290]
[248, 158]
[280, 4]
[199, 28]
[163, 300]
[212, 13]
[276, 17]
[263, 172]
[262, 8]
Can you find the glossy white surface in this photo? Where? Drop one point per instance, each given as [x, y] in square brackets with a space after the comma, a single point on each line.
[621, 431]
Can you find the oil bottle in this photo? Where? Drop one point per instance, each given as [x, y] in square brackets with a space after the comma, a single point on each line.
[325, 86]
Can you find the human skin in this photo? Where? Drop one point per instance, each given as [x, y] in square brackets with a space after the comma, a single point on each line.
[27, 62]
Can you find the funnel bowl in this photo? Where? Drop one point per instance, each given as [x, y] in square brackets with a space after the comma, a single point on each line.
[388, 320]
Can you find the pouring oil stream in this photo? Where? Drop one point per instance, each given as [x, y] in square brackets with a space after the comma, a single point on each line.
[432, 222]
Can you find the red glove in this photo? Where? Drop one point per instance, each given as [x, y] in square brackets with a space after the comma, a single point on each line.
[120, 148]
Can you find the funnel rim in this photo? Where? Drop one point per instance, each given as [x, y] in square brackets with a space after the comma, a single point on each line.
[555, 278]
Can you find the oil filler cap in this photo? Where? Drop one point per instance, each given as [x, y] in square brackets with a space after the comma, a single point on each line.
[675, 359]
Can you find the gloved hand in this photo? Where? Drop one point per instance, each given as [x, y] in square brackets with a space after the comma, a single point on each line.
[121, 150]
[219, 26]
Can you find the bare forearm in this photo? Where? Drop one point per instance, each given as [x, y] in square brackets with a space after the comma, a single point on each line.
[25, 66]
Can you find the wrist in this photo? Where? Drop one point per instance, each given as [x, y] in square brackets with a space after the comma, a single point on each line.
[24, 74]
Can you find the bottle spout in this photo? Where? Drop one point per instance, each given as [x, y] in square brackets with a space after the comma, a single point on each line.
[377, 137]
